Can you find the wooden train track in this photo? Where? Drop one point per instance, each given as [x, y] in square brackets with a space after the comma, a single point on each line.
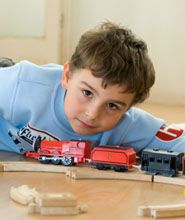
[162, 211]
[26, 166]
[87, 172]
[158, 211]
[91, 173]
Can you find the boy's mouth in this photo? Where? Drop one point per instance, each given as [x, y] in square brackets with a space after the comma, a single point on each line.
[85, 124]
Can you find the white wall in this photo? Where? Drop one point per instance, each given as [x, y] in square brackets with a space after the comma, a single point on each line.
[161, 23]
[39, 43]
[25, 21]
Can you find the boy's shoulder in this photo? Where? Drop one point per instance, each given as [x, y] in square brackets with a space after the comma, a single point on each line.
[47, 67]
[139, 121]
[31, 72]
[135, 113]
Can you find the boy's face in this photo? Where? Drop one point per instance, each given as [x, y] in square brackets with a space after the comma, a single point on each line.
[89, 107]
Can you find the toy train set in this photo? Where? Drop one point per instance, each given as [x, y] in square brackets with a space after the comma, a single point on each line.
[69, 153]
[118, 158]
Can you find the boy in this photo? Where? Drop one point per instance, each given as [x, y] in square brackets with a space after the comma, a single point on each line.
[90, 97]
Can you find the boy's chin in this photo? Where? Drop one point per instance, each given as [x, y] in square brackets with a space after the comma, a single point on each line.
[85, 132]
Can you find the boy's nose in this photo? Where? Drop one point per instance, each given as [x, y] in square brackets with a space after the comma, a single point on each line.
[92, 113]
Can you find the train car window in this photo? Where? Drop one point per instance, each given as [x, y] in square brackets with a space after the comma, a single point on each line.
[144, 162]
[152, 159]
[166, 161]
[159, 160]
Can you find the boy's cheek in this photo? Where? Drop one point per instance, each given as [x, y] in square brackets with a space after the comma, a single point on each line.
[109, 123]
[71, 110]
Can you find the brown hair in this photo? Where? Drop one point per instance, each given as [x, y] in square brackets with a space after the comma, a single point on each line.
[115, 54]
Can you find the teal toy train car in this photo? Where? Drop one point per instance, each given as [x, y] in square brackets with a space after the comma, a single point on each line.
[163, 162]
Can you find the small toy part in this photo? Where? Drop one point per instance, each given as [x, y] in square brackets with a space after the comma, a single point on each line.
[56, 204]
[23, 194]
[56, 199]
[47, 203]
[162, 211]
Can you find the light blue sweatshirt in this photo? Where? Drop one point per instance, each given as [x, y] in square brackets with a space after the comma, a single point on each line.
[32, 105]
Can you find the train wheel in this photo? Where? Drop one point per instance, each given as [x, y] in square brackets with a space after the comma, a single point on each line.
[44, 159]
[56, 161]
[99, 166]
[120, 168]
[67, 161]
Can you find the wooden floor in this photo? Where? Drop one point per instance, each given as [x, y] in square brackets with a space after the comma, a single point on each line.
[107, 199]
[171, 113]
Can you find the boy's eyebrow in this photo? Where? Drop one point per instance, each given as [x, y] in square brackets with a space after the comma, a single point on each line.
[85, 83]
[115, 101]
[119, 103]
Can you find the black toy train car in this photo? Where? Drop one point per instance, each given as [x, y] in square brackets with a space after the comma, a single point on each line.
[155, 161]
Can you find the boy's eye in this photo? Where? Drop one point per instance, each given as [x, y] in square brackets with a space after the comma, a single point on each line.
[112, 106]
[87, 93]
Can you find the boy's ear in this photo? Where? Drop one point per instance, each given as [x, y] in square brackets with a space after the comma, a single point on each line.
[65, 76]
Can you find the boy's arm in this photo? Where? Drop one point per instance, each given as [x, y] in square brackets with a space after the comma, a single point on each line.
[6, 142]
[8, 85]
[146, 131]
[169, 137]
[137, 129]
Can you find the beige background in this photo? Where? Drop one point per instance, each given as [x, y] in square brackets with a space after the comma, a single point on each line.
[160, 23]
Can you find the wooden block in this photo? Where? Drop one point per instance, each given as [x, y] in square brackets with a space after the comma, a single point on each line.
[23, 194]
[144, 211]
[162, 211]
[170, 180]
[92, 173]
[73, 210]
[47, 203]
[177, 210]
[56, 199]
[167, 214]
[32, 167]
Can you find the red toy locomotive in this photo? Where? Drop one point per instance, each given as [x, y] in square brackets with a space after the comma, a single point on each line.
[73, 152]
